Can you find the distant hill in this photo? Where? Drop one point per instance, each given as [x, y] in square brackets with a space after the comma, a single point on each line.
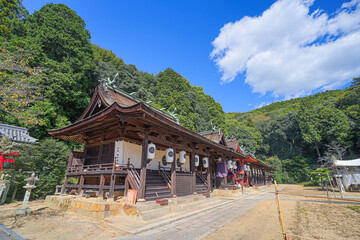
[281, 108]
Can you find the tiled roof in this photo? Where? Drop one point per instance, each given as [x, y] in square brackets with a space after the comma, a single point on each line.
[15, 133]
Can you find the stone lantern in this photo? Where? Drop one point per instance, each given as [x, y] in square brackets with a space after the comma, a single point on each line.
[29, 186]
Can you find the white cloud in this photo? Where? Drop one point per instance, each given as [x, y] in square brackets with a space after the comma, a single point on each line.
[289, 51]
[262, 104]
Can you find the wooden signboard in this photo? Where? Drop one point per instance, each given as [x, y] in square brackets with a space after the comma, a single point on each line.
[131, 197]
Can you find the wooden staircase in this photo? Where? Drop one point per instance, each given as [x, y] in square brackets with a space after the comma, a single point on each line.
[201, 184]
[156, 187]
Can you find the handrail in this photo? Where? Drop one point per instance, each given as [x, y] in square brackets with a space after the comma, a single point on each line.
[222, 185]
[134, 178]
[165, 175]
[201, 176]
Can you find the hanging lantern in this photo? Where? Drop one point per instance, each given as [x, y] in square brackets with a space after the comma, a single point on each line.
[205, 162]
[246, 168]
[169, 155]
[229, 164]
[151, 151]
[219, 159]
[197, 160]
[182, 157]
[234, 164]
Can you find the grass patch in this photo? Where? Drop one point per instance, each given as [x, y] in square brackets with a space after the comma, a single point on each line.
[308, 184]
[355, 208]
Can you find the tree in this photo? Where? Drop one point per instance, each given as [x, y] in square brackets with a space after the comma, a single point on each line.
[63, 47]
[335, 125]
[248, 137]
[6, 145]
[309, 124]
[281, 137]
[320, 176]
[49, 159]
[10, 11]
[19, 91]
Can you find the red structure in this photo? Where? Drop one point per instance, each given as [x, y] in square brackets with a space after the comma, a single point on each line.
[257, 173]
[7, 160]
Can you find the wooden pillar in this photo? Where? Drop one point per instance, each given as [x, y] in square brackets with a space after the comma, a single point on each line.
[101, 185]
[255, 176]
[208, 176]
[226, 183]
[173, 175]
[112, 180]
[81, 182]
[252, 175]
[126, 186]
[71, 157]
[192, 168]
[264, 179]
[143, 168]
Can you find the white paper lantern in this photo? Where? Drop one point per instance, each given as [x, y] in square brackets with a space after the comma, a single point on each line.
[234, 164]
[182, 156]
[169, 155]
[151, 151]
[229, 164]
[205, 162]
[197, 160]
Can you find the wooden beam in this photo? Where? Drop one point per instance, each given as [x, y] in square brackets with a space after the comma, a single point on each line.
[102, 182]
[71, 157]
[173, 175]
[208, 177]
[112, 180]
[81, 182]
[143, 167]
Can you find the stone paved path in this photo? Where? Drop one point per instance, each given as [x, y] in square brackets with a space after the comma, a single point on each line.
[8, 234]
[198, 226]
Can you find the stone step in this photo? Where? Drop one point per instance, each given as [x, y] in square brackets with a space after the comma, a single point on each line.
[151, 191]
[159, 196]
[154, 181]
[155, 187]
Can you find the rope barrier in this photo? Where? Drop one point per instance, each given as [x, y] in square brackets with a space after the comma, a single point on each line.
[311, 196]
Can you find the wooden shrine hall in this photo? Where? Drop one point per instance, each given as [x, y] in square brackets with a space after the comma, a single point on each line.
[129, 144]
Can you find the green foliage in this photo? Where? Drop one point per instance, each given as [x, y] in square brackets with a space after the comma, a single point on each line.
[48, 159]
[10, 13]
[355, 208]
[19, 91]
[281, 176]
[247, 134]
[281, 137]
[320, 176]
[6, 145]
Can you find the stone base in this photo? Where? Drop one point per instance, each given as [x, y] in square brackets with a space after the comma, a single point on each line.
[148, 210]
[22, 211]
[94, 207]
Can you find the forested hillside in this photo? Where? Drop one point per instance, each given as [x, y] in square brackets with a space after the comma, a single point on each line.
[293, 135]
[49, 68]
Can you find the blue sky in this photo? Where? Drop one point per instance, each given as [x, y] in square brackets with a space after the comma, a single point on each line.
[155, 35]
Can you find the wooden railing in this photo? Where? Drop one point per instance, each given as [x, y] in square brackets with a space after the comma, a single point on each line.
[165, 175]
[221, 183]
[133, 178]
[201, 176]
[78, 160]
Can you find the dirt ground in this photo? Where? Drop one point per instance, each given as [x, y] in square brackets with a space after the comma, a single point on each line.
[309, 218]
[45, 223]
